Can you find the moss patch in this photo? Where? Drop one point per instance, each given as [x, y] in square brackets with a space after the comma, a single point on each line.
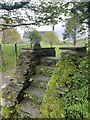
[44, 70]
[7, 112]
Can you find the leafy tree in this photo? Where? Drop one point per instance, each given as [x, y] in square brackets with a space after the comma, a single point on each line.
[73, 29]
[35, 37]
[44, 12]
[17, 5]
[81, 10]
[48, 12]
[10, 36]
[51, 38]
[11, 13]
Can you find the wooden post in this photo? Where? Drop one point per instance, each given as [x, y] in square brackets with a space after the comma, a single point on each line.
[16, 50]
[0, 55]
[0, 49]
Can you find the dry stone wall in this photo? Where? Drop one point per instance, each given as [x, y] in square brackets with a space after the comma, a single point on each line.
[25, 69]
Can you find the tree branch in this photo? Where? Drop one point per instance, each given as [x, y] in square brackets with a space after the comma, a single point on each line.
[4, 29]
[17, 25]
[16, 5]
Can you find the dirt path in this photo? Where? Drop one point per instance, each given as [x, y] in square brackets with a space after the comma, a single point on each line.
[5, 77]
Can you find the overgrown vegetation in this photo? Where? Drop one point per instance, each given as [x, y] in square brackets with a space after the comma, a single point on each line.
[67, 92]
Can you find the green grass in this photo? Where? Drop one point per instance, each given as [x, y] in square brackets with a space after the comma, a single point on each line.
[9, 56]
[82, 42]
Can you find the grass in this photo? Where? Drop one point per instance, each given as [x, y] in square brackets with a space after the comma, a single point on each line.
[9, 55]
[82, 42]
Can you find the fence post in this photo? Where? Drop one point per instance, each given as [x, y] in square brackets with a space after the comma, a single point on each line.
[16, 51]
[0, 55]
[0, 49]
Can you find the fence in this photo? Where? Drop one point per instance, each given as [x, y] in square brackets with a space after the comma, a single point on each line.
[9, 54]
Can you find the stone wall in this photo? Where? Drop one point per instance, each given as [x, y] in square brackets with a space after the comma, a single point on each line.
[25, 68]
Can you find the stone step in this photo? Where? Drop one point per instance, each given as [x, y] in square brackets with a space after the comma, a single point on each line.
[39, 81]
[49, 61]
[35, 92]
[1, 117]
[32, 102]
[44, 70]
[30, 108]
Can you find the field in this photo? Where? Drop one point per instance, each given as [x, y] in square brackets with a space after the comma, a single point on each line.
[9, 56]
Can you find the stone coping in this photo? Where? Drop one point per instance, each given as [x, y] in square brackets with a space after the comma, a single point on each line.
[81, 48]
[37, 48]
[51, 58]
[40, 52]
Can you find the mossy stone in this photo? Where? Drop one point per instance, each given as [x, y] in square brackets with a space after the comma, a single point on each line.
[7, 112]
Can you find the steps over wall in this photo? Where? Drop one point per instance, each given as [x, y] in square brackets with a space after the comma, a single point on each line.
[28, 65]
[34, 94]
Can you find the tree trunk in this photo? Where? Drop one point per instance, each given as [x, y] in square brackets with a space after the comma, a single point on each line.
[0, 49]
[16, 53]
[51, 44]
[31, 45]
[74, 42]
[53, 28]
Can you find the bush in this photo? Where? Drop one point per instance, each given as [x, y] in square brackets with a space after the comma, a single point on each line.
[35, 37]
